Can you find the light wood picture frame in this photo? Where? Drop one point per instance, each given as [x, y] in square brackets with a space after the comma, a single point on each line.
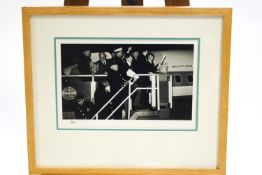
[224, 13]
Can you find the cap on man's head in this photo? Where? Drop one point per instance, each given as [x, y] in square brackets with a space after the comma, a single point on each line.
[118, 49]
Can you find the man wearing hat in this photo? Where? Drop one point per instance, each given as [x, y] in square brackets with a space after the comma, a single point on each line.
[119, 58]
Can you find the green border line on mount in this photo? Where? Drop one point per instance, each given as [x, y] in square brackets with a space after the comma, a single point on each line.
[197, 88]
[126, 38]
[56, 100]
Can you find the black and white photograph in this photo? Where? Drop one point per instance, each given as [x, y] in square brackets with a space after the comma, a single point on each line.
[127, 81]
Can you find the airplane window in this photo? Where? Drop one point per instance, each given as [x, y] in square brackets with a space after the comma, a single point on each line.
[178, 78]
[190, 78]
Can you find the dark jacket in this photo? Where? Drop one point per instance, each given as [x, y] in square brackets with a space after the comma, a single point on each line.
[151, 67]
[101, 67]
[139, 64]
[115, 79]
[125, 68]
[84, 111]
[84, 65]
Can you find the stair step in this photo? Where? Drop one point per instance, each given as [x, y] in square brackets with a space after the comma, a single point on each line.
[147, 113]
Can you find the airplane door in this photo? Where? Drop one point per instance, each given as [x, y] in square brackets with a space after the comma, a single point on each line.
[166, 91]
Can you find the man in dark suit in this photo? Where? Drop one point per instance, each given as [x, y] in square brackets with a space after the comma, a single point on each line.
[120, 57]
[102, 93]
[85, 64]
[139, 62]
[83, 109]
[150, 65]
[116, 82]
[127, 67]
[102, 64]
[140, 67]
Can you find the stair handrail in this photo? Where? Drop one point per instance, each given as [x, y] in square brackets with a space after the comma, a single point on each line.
[130, 95]
[104, 106]
[122, 103]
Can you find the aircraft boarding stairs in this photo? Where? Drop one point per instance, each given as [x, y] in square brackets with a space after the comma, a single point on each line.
[156, 111]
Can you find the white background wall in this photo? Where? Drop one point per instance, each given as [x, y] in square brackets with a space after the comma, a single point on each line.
[245, 114]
